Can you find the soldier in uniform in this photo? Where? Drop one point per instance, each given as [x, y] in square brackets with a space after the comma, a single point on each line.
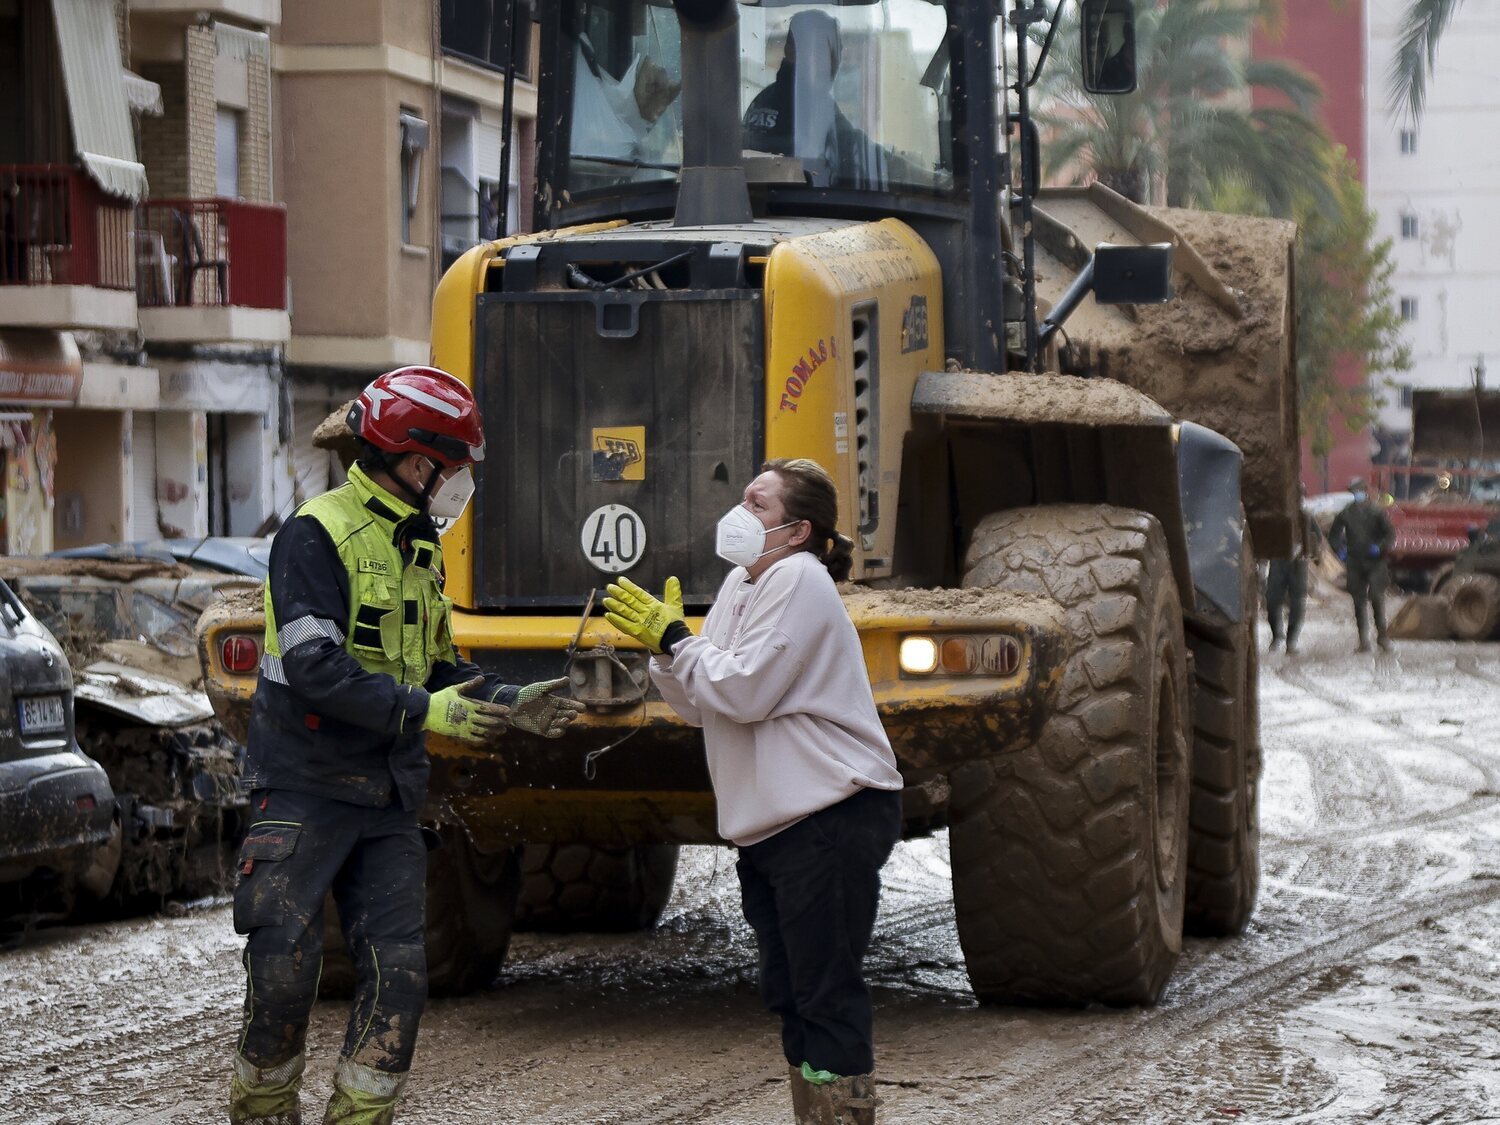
[1286, 583]
[1362, 536]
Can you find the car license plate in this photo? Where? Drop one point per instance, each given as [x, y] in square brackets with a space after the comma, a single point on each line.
[41, 713]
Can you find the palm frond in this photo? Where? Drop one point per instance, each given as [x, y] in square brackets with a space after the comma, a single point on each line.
[1416, 53]
[1302, 89]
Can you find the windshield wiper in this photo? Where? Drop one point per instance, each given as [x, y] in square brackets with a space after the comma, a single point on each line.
[627, 162]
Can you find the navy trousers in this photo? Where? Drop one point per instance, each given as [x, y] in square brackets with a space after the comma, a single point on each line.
[297, 849]
[810, 892]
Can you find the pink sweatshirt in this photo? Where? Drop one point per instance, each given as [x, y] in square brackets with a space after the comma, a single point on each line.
[777, 681]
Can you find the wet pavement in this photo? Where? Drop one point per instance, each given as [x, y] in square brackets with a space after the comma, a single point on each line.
[1367, 988]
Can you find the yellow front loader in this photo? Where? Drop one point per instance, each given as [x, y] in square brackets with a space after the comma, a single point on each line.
[1056, 483]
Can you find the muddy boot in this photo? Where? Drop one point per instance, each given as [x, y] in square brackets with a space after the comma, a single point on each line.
[363, 1095]
[1291, 646]
[1275, 643]
[851, 1100]
[266, 1095]
[1364, 642]
[804, 1099]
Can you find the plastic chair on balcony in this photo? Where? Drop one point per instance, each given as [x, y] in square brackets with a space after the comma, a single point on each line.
[154, 269]
[194, 259]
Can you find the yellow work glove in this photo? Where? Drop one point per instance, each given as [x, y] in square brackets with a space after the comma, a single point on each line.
[454, 713]
[539, 711]
[656, 623]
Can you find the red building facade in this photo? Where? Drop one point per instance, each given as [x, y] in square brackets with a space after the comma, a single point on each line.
[1327, 39]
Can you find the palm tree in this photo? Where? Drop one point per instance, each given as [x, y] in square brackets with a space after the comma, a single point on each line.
[1189, 127]
[1416, 53]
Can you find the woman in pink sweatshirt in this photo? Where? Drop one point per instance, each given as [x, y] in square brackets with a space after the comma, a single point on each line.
[806, 784]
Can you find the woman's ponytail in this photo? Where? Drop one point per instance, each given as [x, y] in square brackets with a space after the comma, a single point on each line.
[839, 558]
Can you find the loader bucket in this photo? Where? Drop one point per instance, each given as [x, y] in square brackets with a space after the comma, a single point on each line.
[1222, 353]
[1453, 424]
[1422, 617]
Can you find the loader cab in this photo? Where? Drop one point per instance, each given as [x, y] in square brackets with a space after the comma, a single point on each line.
[856, 111]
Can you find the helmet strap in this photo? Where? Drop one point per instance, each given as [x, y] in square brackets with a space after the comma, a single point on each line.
[430, 488]
[389, 463]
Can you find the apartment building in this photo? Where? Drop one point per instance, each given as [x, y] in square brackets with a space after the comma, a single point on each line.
[388, 155]
[218, 219]
[143, 294]
[1434, 185]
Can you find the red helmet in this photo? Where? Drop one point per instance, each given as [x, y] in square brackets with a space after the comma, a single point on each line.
[420, 410]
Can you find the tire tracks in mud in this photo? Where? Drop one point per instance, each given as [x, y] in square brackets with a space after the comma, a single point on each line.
[1483, 799]
[183, 1043]
[1041, 1088]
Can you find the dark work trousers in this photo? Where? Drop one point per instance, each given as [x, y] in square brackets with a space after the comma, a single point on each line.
[297, 849]
[810, 893]
[1367, 582]
[1286, 593]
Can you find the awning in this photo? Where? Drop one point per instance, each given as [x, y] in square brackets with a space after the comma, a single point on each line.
[143, 95]
[39, 367]
[89, 44]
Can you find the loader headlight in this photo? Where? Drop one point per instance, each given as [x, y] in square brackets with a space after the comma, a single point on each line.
[919, 655]
[961, 654]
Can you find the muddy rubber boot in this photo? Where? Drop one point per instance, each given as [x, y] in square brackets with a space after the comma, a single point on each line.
[851, 1100]
[266, 1095]
[363, 1095]
[804, 1099]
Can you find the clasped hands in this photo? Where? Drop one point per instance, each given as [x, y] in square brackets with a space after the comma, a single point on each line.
[455, 712]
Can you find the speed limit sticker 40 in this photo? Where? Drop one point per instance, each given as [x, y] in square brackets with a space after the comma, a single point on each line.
[614, 538]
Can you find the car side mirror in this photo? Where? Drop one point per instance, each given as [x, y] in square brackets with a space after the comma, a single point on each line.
[1133, 275]
[1108, 46]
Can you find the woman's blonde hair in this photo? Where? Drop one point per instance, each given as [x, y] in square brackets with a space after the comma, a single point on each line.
[808, 493]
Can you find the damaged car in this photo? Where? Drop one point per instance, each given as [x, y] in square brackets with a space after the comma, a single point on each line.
[127, 626]
[57, 807]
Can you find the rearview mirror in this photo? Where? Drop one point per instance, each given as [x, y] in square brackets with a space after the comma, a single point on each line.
[1133, 275]
[1108, 46]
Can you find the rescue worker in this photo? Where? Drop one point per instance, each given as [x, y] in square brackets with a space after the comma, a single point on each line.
[1286, 582]
[359, 663]
[1362, 536]
[806, 783]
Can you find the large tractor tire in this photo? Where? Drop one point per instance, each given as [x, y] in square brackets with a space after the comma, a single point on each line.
[471, 907]
[584, 888]
[1069, 857]
[1223, 875]
[1473, 606]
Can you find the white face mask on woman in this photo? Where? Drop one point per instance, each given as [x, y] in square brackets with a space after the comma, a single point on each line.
[741, 538]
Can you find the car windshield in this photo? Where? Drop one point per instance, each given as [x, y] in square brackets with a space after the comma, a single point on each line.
[856, 94]
[83, 616]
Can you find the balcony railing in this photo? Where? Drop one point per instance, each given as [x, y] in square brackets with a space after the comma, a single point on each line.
[57, 227]
[210, 253]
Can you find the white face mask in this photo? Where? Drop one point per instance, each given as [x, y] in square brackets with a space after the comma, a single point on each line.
[741, 538]
[451, 497]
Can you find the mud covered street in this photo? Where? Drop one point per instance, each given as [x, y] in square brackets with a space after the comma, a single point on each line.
[1367, 988]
